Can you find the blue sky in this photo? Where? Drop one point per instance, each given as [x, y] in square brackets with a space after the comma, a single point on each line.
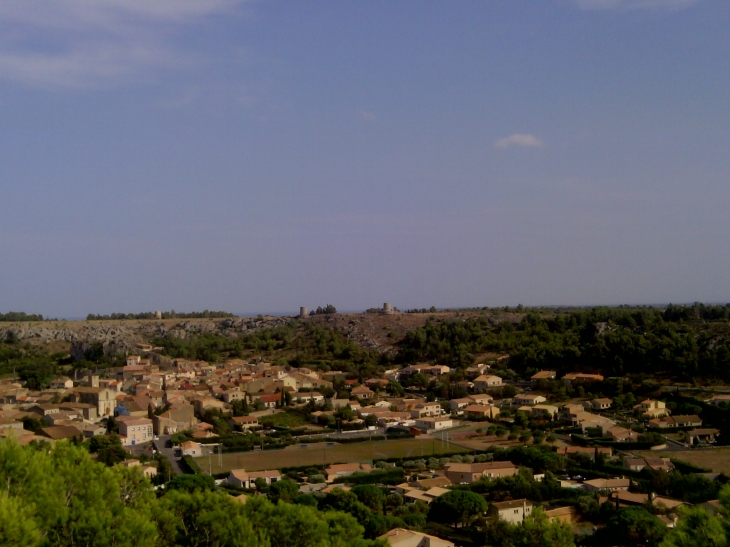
[262, 155]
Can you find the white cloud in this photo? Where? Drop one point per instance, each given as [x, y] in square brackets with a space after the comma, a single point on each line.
[85, 43]
[633, 4]
[367, 116]
[519, 139]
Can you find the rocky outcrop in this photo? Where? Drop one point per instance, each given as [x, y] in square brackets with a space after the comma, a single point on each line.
[123, 337]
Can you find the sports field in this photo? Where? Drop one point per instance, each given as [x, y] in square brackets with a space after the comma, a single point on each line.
[320, 453]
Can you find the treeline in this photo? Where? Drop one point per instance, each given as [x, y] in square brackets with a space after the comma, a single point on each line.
[59, 496]
[172, 314]
[296, 344]
[679, 342]
[327, 310]
[20, 316]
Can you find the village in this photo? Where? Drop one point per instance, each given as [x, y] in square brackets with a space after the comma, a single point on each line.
[250, 424]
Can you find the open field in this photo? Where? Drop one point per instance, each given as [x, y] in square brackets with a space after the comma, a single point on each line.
[319, 453]
[717, 459]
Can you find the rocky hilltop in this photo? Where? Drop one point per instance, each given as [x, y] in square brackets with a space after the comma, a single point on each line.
[123, 337]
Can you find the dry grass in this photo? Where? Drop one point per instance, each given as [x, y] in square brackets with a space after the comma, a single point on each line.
[319, 454]
[717, 459]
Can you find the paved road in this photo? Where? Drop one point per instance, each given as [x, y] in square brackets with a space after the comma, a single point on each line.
[169, 453]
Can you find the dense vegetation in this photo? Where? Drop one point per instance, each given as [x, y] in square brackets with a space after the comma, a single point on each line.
[172, 314]
[681, 342]
[60, 496]
[20, 316]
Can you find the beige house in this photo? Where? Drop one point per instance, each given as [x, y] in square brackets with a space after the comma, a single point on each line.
[362, 392]
[466, 473]
[62, 382]
[246, 422]
[652, 408]
[434, 424]
[398, 537]
[543, 375]
[133, 430]
[513, 511]
[481, 411]
[487, 381]
[242, 479]
[344, 469]
[191, 448]
[601, 404]
[546, 412]
[426, 409]
[529, 399]
[606, 485]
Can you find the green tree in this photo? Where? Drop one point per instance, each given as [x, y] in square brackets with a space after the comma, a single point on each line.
[205, 519]
[633, 526]
[537, 531]
[370, 495]
[191, 483]
[17, 523]
[284, 490]
[457, 507]
[696, 528]
[108, 449]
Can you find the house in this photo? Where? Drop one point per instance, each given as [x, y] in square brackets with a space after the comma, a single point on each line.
[457, 405]
[133, 430]
[476, 370]
[399, 537]
[610, 485]
[565, 514]
[481, 411]
[581, 377]
[60, 432]
[717, 400]
[344, 469]
[191, 448]
[528, 399]
[467, 473]
[62, 382]
[652, 408]
[244, 422]
[485, 382]
[130, 407]
[545, 412]
[179, 418]
[657, 464]
[427, 496]
[481, 398]
[513, 511]
[601, 404]
[571, 413]
[543, 375]
[621, 434]
[701, 436]
[668, 422]
[362, 392]
[426, 409]
[434, 424]
[242, 479]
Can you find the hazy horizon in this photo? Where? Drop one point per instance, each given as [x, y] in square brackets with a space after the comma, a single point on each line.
[258, 155]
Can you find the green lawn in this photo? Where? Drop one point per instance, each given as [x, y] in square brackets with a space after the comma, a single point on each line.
[319, 453]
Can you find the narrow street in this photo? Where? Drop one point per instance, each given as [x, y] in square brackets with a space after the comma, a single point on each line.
[169, 453]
